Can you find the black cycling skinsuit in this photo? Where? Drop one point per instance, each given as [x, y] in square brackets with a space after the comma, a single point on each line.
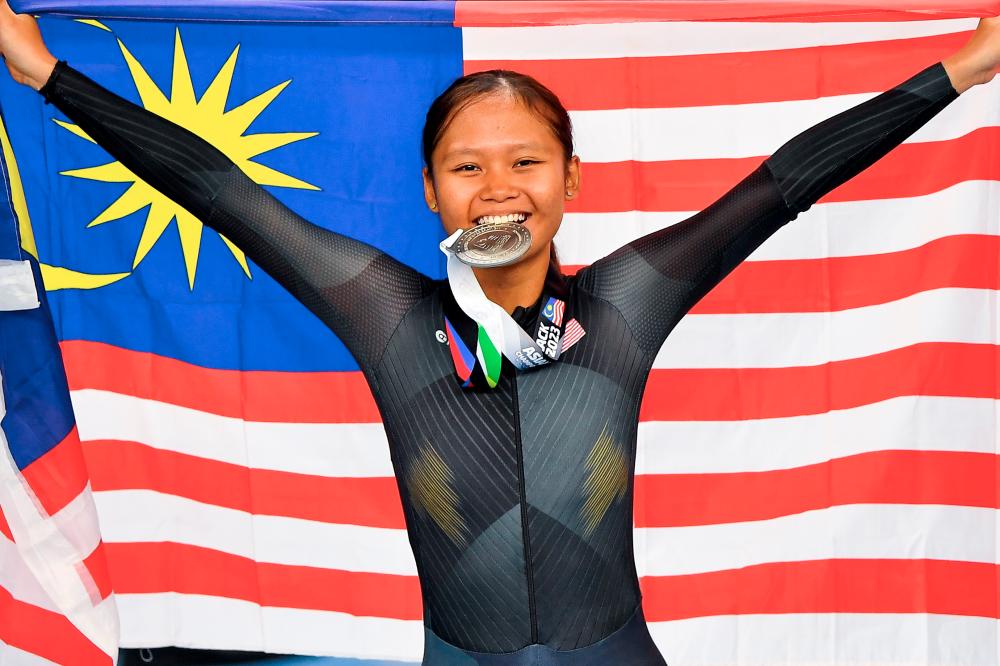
[518, 500]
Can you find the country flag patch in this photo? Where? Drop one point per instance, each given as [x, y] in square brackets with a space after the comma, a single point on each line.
[554, 310]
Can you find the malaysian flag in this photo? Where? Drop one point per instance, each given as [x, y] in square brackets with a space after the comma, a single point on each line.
[554, 310]
[56, 601]
[817, 458]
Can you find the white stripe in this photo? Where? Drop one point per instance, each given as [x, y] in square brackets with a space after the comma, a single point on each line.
[674, 38]
[357, 450]
[748, 130]
[77, 522]
[869, 639]
[17, 578]
[921, 422]
[862, 531]
[912, 423]
[17, 286]
[813, 338]
[188, 620]
[11, 656]
[858, 531]
[837, 229]
[148, 516]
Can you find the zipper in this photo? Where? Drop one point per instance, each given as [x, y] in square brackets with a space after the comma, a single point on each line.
[525, 538]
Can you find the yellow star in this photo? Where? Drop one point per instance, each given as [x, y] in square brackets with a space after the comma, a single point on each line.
[208, 119]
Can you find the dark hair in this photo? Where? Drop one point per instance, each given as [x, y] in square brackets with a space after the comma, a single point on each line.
[469, 88]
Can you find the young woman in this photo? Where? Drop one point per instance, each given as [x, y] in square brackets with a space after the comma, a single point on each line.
[516, 483]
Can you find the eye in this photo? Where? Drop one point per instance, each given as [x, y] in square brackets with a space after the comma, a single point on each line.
[525, 162]
[466, 168]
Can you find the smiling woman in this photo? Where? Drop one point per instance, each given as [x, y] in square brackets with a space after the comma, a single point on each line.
[510, 396]
[499, 143]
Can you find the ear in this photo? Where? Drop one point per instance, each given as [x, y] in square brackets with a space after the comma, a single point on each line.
[430, 196]
[573, 177]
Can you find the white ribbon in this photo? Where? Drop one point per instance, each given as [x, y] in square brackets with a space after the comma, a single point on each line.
[512, 340]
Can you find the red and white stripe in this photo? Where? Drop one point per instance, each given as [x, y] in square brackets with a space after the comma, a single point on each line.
[817, 458]
[574, 331]
[56, 604]
[558, 309]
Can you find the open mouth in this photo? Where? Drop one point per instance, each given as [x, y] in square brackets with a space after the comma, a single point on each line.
[520, 218]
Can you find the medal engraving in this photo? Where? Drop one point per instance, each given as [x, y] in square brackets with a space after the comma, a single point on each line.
[490, 245]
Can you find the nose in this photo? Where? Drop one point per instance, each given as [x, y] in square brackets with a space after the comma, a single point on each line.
[498, 188]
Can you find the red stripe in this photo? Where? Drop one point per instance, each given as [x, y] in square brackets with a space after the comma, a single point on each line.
[828, 586]
[59, 476]
[470, 13]
[953, 478]
[694, 184]
[4, 527]
[46, 634]
[253, 395]
[700, 394]
[737, 78]
[734, 394]
[841, 283]
[158, 567]
[662, 500]
[96, 565]
[822, 586]
[372, 502]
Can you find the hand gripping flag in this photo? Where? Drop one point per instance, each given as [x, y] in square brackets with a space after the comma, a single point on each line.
[55, 591]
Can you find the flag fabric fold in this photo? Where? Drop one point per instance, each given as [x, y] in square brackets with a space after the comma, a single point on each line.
[56, 601]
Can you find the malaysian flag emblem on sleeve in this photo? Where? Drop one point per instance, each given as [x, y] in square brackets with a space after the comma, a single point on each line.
[553, 311]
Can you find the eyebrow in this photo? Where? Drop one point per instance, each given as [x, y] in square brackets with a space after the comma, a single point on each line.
[472, 151]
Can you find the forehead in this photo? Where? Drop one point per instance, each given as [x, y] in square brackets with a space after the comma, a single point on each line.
[496, 123]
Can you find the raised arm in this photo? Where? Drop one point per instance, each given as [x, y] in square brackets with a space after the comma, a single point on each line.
[358, 291]
[654, 280]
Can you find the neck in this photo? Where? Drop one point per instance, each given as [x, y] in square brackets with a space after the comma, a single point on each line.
[517, 284]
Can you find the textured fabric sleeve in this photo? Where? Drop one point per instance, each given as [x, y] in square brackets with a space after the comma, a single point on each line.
[654, 280]
[360, 292]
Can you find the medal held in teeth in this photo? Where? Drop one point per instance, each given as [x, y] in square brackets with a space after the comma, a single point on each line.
[492, 243]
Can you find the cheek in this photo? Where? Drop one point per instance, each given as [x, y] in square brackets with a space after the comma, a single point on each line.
[550, 197]
[453, 203]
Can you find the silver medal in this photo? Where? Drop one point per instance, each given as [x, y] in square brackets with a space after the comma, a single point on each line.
[491, 245]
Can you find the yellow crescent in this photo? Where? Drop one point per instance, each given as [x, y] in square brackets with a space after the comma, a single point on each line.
[54, 277]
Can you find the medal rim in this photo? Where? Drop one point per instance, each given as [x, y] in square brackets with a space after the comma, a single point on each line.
[461, 250]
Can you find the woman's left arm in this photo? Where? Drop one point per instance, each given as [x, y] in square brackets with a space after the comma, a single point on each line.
[654, 280]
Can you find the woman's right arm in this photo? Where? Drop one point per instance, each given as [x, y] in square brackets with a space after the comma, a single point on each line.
[360, 292]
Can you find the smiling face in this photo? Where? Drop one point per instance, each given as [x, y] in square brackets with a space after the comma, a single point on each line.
[497, 157]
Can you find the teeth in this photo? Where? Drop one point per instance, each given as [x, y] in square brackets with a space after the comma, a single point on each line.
[496, 219]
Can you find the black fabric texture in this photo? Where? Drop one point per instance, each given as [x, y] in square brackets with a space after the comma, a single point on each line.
[518, 500]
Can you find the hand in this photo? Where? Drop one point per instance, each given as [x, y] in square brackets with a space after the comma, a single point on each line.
[979, 60]
[22, 48]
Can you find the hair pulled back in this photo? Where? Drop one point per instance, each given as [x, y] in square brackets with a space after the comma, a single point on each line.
[471, 87]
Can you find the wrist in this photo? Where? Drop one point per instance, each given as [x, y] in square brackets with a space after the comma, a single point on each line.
[40, 73]
[962, 72]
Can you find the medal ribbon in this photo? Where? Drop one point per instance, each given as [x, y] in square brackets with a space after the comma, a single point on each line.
[498, 334]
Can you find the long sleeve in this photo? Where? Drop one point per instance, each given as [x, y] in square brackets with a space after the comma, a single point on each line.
[654, 280]
[360, 292]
